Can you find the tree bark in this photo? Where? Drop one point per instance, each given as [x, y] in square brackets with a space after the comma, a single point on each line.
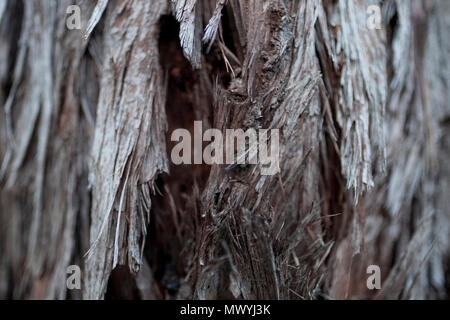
[86, 177]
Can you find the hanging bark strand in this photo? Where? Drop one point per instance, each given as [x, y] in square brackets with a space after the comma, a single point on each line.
[85, 129]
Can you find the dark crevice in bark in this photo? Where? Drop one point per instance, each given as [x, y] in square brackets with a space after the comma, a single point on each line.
[332, 186]
[174, 207]
[14, 30]
[121, 285]
[229, 32]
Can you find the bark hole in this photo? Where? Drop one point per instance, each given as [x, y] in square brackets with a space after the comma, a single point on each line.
[121, 285]
[175, 207]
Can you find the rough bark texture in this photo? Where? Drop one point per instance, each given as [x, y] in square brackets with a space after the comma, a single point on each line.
[86, 176]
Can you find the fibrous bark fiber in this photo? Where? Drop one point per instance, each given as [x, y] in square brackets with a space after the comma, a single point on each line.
[86, 176]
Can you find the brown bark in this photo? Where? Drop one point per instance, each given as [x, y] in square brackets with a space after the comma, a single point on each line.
[86, 176]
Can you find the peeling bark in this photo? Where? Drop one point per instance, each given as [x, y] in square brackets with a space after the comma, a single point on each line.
[86, 176]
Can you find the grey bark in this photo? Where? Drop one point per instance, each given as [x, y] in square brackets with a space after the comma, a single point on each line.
[86, 176]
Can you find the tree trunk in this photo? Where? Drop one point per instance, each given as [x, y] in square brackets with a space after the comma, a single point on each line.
[85, 143]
